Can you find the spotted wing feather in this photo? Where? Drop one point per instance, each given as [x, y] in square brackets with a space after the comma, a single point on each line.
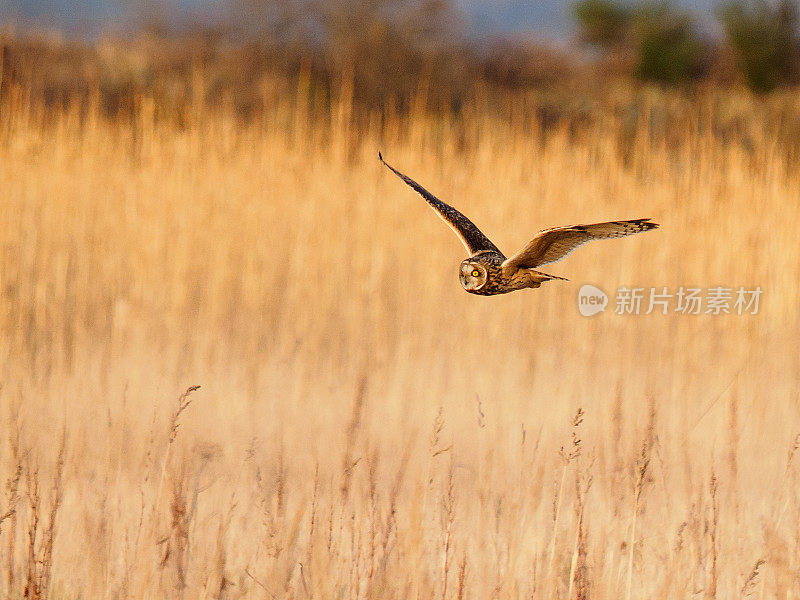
[551, 245]
[472, 237]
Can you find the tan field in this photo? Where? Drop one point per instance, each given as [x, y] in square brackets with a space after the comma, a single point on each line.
[364, 428]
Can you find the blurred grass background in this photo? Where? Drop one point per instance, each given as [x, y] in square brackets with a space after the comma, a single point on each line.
[176, 213]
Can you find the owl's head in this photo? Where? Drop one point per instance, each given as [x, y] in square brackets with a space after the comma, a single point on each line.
[473, 275]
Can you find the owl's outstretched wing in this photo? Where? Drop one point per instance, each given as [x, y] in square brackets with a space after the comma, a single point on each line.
[472, 237]
[554, 244]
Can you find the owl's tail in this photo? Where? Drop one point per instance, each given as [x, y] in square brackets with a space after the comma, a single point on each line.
[539, 277]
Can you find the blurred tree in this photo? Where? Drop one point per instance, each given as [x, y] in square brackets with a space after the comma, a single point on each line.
[520, 62]
[764, 38]
[382, 48]
[661, 43]
[603, 23]
[668, 46]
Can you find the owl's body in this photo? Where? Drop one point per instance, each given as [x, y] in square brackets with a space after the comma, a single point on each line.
[497, 280]
[488, 272]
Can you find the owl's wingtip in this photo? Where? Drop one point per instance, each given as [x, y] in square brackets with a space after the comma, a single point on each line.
[380, 156]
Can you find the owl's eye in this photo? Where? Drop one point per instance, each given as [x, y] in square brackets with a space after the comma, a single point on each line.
[476, 273]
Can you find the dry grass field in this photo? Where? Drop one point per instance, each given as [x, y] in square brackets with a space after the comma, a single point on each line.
[364, 428]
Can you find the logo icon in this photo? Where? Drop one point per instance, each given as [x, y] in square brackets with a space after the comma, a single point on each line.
[591, 300]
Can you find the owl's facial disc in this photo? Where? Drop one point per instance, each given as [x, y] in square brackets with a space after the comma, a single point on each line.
[472, 275]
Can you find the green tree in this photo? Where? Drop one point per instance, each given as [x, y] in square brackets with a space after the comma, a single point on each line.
[661, 41]
[668, 47]
[764, 38]
[603, 23]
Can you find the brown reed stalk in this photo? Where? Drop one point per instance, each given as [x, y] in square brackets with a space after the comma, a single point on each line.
[223, 583]
[329, 537]
[391, 515]
[41, 541]
[351, 433]
[280, 484]
[13, 499]
[752, 580]
[184, 400]
[578, 575]
[448, 507]
[12, 487]
[712, 490]
[32, 589]
[436, 434]
[175, 550]
[790, 454]
[175, 546]
[373, 518]
[733, 449]
[642, 462]
[10, 515]
[567, 455]
[787, 479]
[349, 463]
[462, 578]
[618, 468]
[56, 499]
[481, 414]
[355, 557]
[312, 522]
[390, 524]
[147, 467]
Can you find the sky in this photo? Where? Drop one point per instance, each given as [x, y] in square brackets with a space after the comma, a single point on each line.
[547, 18]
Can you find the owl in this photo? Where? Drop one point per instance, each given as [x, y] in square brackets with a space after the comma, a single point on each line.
[488, 272]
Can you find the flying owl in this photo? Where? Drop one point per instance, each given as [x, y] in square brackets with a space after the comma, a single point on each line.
[488, 272]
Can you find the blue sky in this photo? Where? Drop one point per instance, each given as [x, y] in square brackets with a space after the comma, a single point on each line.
[548, 18]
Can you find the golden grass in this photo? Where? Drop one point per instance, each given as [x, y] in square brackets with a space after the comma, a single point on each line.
[364, 428]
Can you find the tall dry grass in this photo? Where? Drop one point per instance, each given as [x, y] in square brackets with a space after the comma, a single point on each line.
[364, 428]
